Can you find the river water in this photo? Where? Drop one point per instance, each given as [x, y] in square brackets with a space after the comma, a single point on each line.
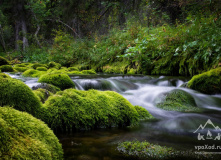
[172, 129]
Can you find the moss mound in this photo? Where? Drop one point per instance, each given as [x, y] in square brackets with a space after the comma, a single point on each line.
[17, 94]
[3, 61]
[143, 113]
[208, 82]
[54, 65]
[7, 68]
[88, 72]
[73, 109]
[42, 94]
[20, 65]
[146, 150]
[36, 65]
[3, 75]
[61, 81]
[24, 137]
[21, 69]
[73, 69]
[178, 100]
[41, 69]
[33, 73]
[49, 87]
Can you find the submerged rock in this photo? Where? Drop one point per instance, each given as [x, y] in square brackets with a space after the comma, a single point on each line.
[24, 137]
[208, 82]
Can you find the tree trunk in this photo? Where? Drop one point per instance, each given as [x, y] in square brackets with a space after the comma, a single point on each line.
[17, 26]
[24, 33]
[2, 39]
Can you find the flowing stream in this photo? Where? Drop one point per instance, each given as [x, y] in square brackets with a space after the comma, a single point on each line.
[173, 129]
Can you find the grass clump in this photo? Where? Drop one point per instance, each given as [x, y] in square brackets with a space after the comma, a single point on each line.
[18, 95]
[61, 81]
[3, 61]
[41, 69]
[24, 137]
[42, 94]
[33, 73]
[143, 113]
[178, 100]
[73, 109]
[207, 82]
[7, 68]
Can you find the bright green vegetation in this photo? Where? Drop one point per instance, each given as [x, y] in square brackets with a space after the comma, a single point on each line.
[3, 61]
[49, 87]
[24, 137]
[146, 150]
[42, 94]
[20, 69]
[207, 82]
[3, 75]
[54, 65]
[88, 72]
[74, 109]
[6, 68]
[21, 65]
[18, 95]
[36, 65]
[41, 69]
[143, 113]
[178, 100]
[73, 69]
[61, 81]
[33, 73]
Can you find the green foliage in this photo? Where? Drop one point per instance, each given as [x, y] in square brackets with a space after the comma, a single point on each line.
[33, 73]
[36, 65]
[49, 87]
[178, 100]
[207, 82]
[17, 94]
[21, 69]
[74, 109]
[54, 65]
[24, 137]
[6, 68]
[73, 69]
[88, 71]
[42, 94]
[41, 69]
[143, 113]
[3, 75]
[21, 65]
[3, 61]
[61, 81]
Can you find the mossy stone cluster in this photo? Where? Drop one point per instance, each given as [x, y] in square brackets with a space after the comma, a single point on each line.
[61, 81]
[208, 82]
[54, 65]
[178, 100]
[33, 73]
[3, 61]
[74, 109]
[49, 87]
[41, 69]
[18, 95]
[7, 68]
[24, 137]
[36, 65]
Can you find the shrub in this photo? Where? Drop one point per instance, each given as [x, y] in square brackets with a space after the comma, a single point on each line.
[74, 109]
[6, 68]
[41, 69]
[24, 137]
[54, 65]
[17, 94]
[61, 81]
[208, 82]
[143, 113]
[51, 88]
[178, 100]
[3, 61]
[33, 73]
[36, 65]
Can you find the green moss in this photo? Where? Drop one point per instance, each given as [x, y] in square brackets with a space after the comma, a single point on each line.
[24, 137]
[61, 81]
[74, 109]
[132, 71]
[88, 72]
[49, 87]
[7, 68]
[3, 61]
[75, 72]
[21, 69]
[33, 73]
[17, 94]
[178, 100]
[20, 65]
[116, 67]
[36, 65]
[54, 65]
[42, 94]
[143, 113]
[146, 150]
[41, 69]
[3, 75]
[73, 69]
[208, 82]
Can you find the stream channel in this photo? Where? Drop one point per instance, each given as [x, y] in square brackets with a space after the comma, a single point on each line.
[172, 129]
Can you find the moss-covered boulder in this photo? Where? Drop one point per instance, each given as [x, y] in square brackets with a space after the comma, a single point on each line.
[49, 87]
[36, 65]
[41, 69]
[33, 73]
[3, 75]
[54, 65]
[42, 94]
[178, 100]
[24, 137]
[3, 61]
[61, 81]
[74, 109]
[143, 113]
[20, 65]
[208, 82]
[73, 69]
[7, 68]
[17, 94]
[88, 71]
[20, 69]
